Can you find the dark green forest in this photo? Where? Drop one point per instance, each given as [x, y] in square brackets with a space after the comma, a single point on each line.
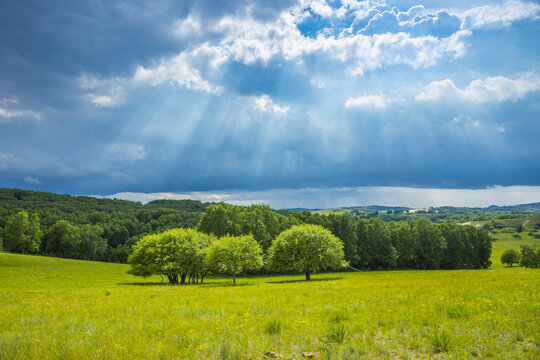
[373, 237]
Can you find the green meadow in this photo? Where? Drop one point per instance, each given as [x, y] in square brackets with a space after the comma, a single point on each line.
[54, 308]
[505, 241]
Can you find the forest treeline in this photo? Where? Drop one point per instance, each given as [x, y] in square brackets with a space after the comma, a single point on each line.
[120, 222]
[103, 229]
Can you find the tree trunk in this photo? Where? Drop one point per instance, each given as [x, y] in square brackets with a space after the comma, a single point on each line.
[308, 277]
[234, 279]
[173, 279]
[182, 279]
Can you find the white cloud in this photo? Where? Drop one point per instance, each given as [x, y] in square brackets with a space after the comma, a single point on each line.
[491, 89]
[127, 151]
[104, 100]
[176, 70]
[377, 101]
[103, 92]
[499, 15]
[31, 180]
[7, 114]
[264, 103]
[10, 108]
[320, 7]
[187, 28]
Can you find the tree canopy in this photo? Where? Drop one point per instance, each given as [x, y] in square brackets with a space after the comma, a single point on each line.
[234, 254]
[22, 233]
[510, 257]
[175, 253]
[306, 248]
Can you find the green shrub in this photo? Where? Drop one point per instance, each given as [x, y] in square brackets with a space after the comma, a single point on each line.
[441, 340]
[336, 334]
[273, 327]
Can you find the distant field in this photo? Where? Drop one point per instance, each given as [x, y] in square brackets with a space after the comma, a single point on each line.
[505, 242]
[55, 308]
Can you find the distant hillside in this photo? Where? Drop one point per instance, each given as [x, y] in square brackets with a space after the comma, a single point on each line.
[437, 214]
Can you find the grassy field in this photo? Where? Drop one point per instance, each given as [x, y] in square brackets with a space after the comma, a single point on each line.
[505, 241]
[68, 309]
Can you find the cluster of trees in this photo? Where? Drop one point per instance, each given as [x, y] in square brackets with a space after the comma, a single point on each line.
[23, 235]
[369, 244]
[187, 255]
[529, 257]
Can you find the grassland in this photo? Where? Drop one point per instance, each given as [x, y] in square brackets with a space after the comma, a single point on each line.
[57, 308]
[506, 241]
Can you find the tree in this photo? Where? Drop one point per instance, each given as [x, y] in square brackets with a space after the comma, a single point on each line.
[344, 227]
[530, 256]
[175, 253]
[429, 244]
[457, 246]
[262, 222]
[510, 257]
[222, 219]
[234, 254]
[306, 248]
[403, 241]
[62, 238]
[375, 248]
[22, 233]
[91, 245]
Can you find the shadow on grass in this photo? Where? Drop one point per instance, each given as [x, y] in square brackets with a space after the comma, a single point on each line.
[305, 281]
[147, 284]
[205, 284]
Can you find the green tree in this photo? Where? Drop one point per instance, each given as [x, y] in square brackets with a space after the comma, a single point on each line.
[175, 253]
[403, 241]
[222, 219]
[510, 257]
[375, 247]
[344, 227]
[429, 244]
[63, 238]
[530, 256]
[455, 254]
[306, 248]
[234, 254]
[262, 222]
[91, 245]
[22, 233]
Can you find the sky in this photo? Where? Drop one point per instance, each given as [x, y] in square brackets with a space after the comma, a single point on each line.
[292, 103]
